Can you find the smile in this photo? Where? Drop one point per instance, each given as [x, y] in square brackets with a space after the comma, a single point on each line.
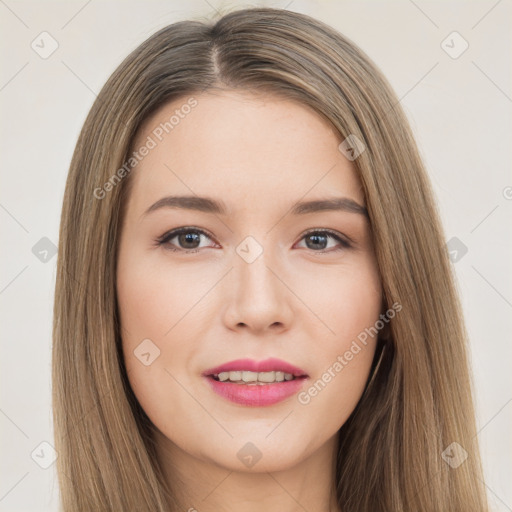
[255, 384]
[254, 378]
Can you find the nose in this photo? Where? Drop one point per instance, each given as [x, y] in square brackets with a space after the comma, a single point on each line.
[259, 299]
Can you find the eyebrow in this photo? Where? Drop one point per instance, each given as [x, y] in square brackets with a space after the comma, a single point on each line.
[208, 205]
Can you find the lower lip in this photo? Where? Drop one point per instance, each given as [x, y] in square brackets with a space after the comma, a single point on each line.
[256, 395]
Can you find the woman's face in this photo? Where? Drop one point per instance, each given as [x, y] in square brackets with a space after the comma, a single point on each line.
[254, 277]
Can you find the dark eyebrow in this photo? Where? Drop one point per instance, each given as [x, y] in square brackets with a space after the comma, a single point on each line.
[208, 205]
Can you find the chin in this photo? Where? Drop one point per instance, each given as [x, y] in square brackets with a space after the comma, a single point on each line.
[256, 453]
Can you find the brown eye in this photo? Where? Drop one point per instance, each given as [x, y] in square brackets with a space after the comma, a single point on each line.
[187, 239]
[318, 241]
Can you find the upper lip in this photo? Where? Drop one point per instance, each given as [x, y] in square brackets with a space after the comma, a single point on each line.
[268, 365]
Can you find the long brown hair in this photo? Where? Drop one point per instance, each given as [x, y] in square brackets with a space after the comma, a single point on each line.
[418, 401]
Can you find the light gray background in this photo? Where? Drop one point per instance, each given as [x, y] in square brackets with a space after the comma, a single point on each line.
[459, 110]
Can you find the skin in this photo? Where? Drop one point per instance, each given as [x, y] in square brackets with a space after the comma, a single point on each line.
[259, 155]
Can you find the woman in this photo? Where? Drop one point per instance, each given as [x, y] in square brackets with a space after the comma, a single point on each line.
[207, 355]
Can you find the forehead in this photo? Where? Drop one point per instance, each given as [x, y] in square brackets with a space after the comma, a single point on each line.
[249, 149]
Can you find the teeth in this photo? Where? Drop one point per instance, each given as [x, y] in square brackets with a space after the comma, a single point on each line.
[254, 377]
[249, 376]
[269, 377]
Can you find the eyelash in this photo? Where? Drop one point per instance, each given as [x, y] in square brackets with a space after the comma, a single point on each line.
[166, 237]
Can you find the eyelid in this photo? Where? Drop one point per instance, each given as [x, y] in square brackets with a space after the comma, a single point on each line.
[168, 235]
[342, 237]
[345, 241]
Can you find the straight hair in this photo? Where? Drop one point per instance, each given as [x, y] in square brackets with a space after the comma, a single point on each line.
[418, 397]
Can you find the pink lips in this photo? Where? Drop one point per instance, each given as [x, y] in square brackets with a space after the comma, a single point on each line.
[268, 365]
[256, 395]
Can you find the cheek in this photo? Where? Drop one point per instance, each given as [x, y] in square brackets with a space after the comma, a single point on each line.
[153, 298]
[153, 303]
[158, 307]
[349, 305]
[346, 300]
